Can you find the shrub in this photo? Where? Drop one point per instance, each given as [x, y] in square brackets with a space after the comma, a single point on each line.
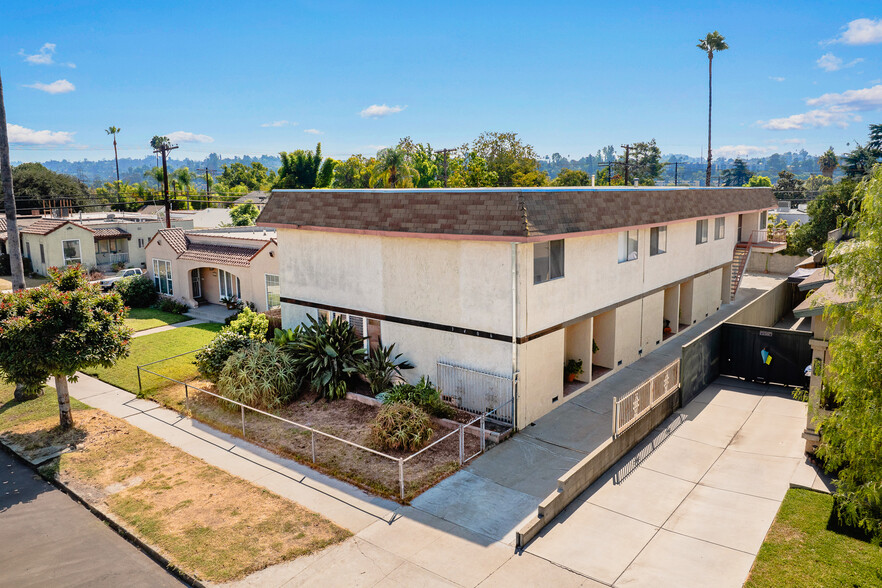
[422, 394]
[284, 337]
[261, 375]
[137, 291]
[171, 305]
[327, 355]
[251, 324]
[382, 368]
[401, 426]
[210, 361]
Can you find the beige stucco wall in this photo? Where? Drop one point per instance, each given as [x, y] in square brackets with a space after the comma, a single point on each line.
[252, 279]
[768, 309]
[773, 263]
[541, 366]
[53, 249]
[144, 231]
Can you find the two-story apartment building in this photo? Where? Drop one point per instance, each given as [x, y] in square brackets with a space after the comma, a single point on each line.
[513, 281]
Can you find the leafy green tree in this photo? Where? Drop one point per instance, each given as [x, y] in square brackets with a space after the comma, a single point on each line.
[828, 163]
[34, 183]
[788, 186]
[851, 443]
[875, 141]
[858, 162]
[470, 171]
[59, 329]
[738, 174]
[816, 183]
[244, 215]
[305, 170]
[514, 162]
[250, 177]
[759, 182]
[355, 172]
[827, 212]
[425, 161]
[645, 163]
[568, 177]
[713, 43]
[395, 169]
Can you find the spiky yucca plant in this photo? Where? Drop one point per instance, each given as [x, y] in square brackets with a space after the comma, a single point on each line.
[327, 355]
[402, 426]
[260, 375]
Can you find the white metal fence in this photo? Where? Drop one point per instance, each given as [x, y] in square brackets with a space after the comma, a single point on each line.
[476, 392]
[628, 409]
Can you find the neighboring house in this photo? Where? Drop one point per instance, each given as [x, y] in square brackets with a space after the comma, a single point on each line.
[514, 281]
[257, 197]
[199, 267]
[96, 240]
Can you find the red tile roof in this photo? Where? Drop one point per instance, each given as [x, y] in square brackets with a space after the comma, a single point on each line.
[44, 226]
[175, 238]
[515, 213]
[219, 254]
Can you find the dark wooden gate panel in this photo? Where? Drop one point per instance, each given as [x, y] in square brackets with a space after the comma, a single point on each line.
[741, 348]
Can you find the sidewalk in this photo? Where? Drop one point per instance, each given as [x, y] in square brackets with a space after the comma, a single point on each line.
[154, 330]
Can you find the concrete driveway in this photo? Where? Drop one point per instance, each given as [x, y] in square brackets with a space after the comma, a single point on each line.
[692, 504]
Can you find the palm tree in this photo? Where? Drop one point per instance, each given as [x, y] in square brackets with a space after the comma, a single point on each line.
[15, 261]
[828, 163]
[393, 168]
[113, 131]
[712, 43]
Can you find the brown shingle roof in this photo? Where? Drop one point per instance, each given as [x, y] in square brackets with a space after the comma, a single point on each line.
[112, 233]
[44, 226]
[515, 213]
[219, 254]
[830, 294]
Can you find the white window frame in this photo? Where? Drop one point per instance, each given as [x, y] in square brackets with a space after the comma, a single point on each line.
[353, 319]
[661, 240]
[163, 278]
[555, 268]
[719, 228]
[701, 227]
[266, 278]
[629, 246]
[42, 254]
[222, 285]
[70, 260]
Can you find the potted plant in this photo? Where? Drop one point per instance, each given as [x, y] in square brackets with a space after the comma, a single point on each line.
[667, 327]
[231, 301]
[572, 368]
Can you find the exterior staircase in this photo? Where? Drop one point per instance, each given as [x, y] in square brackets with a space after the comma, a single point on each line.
[739, 264]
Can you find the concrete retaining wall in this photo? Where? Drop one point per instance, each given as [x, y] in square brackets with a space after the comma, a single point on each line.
[766, 310]
[584, 473]
[773, 263]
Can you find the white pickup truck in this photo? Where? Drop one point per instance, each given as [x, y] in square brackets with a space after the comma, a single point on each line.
[107, 283]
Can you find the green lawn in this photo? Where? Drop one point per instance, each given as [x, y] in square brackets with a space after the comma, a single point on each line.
[154, 347]
[799, 550]
[13, 412]
[141, 319]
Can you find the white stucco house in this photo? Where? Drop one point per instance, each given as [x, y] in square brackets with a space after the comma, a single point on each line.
[513, 281]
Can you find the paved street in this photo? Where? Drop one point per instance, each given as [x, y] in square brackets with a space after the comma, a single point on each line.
[47, 539]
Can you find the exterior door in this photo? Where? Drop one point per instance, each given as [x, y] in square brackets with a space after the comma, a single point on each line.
[197, 285]
[740, 223]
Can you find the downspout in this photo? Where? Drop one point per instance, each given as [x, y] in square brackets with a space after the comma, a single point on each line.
[514, 334]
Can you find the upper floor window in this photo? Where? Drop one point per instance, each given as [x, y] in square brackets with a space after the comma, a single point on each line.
[719, 228]
[701, 231]
[628, 242]
[548, 261]
[658, 240]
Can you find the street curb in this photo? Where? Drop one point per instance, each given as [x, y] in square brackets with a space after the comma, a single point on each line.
[105, 518]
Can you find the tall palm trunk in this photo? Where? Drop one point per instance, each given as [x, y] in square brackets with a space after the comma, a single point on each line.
[116, 159]
[12, 237]
[64, 413]
[710, 98]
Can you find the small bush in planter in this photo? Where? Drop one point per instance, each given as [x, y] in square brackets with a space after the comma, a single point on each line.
[251, 324]
[401, 426]
[137, 291]
[383, 367]
[259, 375]
[172, 306]
[572, 368]
[210, 361]
[422, 394]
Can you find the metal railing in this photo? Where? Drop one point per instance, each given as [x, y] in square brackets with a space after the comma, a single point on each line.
[481, 421]
[628, 409]
[476, 391]
[768, 235]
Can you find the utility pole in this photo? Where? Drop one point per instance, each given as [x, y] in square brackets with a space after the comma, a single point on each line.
[627, 149]
[163, 150]
[445, 152]
[12, 236]
[207, 185]
[608, 165]
[676, 164]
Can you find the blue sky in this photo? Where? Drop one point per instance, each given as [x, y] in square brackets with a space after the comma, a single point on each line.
[262, 77]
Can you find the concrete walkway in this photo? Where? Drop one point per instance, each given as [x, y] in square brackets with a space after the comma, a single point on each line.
[163, 328]
[48, 539]
[692, 504]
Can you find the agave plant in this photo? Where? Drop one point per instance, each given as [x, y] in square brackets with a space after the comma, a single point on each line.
[327, 355]
[383, 367]
[261, 375]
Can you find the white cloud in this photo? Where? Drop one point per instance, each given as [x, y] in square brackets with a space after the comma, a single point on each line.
[777, 78]
[313, 131]
[187, 137]
[829, 62]
[19, 135]
[279, 123]
[56, 87]
[44, 56]
[380, 110]
[740, 151]
[863, 31]
[837, 109]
